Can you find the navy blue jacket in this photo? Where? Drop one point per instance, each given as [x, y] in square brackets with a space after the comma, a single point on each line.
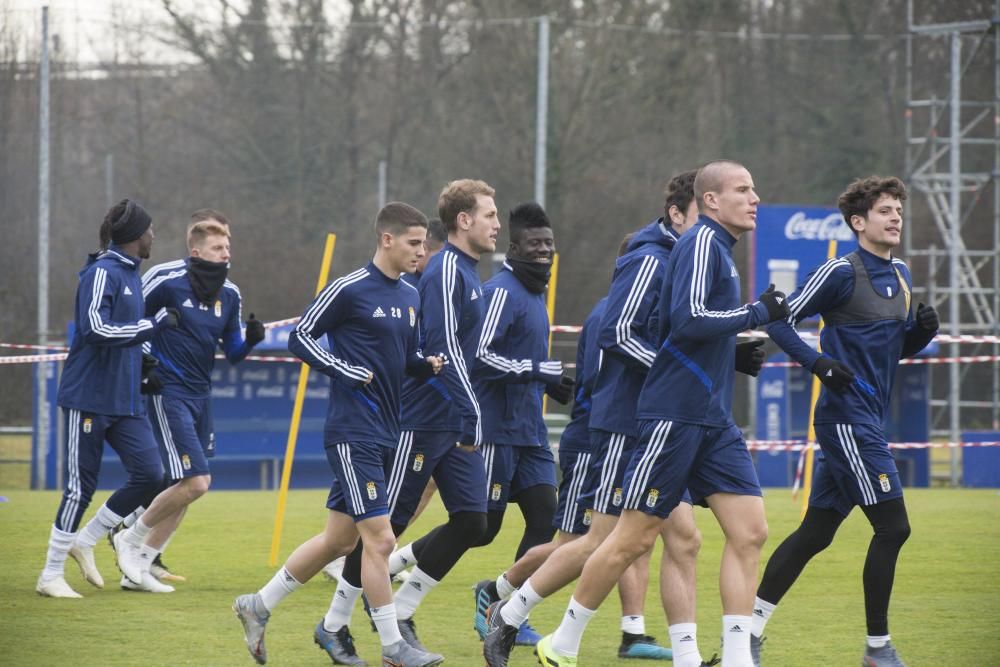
[512, 363]
[627, 331]
[872, 349]
[700, 314]
[450, 324]
[576, 435]
[370, 323]
[187, 353]
[103, 370]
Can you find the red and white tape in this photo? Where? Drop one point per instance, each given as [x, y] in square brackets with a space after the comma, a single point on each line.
[799, 445]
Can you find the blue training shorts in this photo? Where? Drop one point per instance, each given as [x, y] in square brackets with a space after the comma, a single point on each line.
[360, 471]
[510, 470]
[673, 458]
[570, 517]
[184, 430]
[460, 475]
[603, 489]
[855, 467]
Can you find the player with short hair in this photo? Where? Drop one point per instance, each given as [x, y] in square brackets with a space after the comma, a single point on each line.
[100, 397]
[626, 336]
[869, 325]
[688, 442]
[179, 387]
[369, 318]
[442, 420]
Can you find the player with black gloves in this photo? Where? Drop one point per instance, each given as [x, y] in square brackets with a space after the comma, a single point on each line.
[177, 379]
[864, 299]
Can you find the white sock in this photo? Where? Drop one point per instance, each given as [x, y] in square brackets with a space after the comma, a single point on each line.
[878, 642]
[130, 520]
[566, 639]
[147, 555]
[684, 644]
[384, 618]
[136, 535]
[97, 528]
[516, 611]
[400, 559]
[504, 587]
[410, 594]
[341, 606]
[736, 641]
[762, 610]
[60, 543]
[634, 625]
[282, 585]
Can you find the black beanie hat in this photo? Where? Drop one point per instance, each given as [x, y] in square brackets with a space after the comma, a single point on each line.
[132, 224]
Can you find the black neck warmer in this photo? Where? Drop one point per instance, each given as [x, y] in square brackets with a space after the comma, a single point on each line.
[533, 275]
[206, 278]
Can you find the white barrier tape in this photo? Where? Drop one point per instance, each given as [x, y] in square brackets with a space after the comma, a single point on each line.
[21, 346]
[799, 445]
[986, 358]
[33, 358]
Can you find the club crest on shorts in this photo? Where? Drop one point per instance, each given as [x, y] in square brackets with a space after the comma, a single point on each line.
[88, 425]
[652, 497]
[616, 499]
[883, 481]
[588, 516]
[495, 492]
[418, 463]
[372, 491]
[186, 461]
[413, 317]
[218, 309]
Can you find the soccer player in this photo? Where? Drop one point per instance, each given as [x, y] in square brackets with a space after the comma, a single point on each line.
[626, 335]
[350, 566]
[442, 428]
[370, 320]
[513, 373]
[688, 442]
[179, 406]
[864, 299]
[99, 395]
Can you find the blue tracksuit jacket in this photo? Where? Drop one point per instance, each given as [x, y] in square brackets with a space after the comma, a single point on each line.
[627, 332]
[691, 380]
[187, 353]
[450, 324]
[510, 373]
[370, 322]
[871, 349]
[576, 435]
[103, 371]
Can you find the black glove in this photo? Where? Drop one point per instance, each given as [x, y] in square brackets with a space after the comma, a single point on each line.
[151, 382]
[750, 356]
[562, 392]
[255, 331]
[173, 318]
[776, 303]
[927, 318]
[834, 375]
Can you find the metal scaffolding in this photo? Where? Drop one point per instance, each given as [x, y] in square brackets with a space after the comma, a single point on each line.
[953, 162]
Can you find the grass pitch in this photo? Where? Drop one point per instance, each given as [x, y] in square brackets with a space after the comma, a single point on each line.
[945, 609]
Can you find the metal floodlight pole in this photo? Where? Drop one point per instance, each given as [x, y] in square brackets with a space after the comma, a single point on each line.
[954, 249]
[382, 183]
[542, 108]
[42, 404]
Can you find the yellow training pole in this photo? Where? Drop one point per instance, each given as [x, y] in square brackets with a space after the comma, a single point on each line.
[807, 474]
[293, 429]
[550, 306]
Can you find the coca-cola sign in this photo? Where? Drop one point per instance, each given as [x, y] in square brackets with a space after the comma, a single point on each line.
[800, 227]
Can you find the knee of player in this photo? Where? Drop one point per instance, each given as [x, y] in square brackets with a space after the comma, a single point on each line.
[198, 485]
[472, 526]
[381, 543]
[150, 476]
[896, 532]
[756, 534]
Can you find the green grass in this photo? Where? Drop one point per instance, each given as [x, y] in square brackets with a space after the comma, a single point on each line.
[15, 471]
[944, 612]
